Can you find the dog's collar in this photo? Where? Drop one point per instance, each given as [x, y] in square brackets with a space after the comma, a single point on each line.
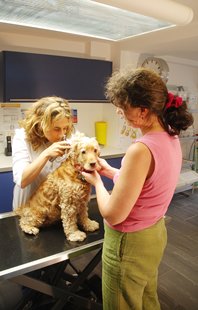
[79, 170]
[81, 177]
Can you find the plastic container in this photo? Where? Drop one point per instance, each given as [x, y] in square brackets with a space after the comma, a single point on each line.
[101, 132]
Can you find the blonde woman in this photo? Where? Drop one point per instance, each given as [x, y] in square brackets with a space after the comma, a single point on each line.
[38, 141]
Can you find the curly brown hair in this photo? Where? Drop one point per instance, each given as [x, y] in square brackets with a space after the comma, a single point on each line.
[40, 117]
[144, 88]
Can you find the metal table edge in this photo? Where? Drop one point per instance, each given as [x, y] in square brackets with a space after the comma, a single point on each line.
[49, 260]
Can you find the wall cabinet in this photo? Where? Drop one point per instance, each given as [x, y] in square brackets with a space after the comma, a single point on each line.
[31, 76]
[6, 191]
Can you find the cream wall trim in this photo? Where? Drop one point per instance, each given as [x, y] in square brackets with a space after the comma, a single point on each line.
[50, 42]
[100, 50]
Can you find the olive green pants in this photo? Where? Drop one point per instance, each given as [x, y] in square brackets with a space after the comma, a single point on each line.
[130, 264]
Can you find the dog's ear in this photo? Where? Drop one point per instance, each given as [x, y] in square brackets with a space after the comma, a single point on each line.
[96, 144]
[98, 152]
[74, 150]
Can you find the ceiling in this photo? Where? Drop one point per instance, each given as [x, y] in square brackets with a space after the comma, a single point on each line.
[180, 41]
[177, 42]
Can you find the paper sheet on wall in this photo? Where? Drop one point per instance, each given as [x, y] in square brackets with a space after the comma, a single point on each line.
[127, 134]
[10, 114]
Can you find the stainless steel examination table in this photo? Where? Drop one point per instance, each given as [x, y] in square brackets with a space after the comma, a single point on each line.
[39, 263]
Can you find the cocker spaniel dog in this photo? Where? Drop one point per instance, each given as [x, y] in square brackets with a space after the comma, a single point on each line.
[64, 194]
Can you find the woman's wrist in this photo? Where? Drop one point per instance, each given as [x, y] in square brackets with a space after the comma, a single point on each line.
[45, 155]
[99, 185]
[110, 172]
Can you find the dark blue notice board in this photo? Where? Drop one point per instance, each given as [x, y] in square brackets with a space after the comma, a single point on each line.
[32, 76]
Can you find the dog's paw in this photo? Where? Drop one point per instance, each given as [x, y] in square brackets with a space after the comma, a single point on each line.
[76, 236]
[30, 230]
[90, 225]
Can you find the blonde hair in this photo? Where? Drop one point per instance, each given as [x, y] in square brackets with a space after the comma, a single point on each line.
[40, 117]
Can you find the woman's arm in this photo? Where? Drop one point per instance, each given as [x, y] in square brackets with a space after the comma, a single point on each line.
[32, 170]
[25, 170]
[133, 173]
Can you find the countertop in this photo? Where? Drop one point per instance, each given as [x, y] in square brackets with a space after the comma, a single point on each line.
[5, 163]
[106, 152]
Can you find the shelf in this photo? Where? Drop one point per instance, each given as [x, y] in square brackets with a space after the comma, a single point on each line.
[186, 180]
[189, 138]
[193, 110]
[188, 164]
[184, 188]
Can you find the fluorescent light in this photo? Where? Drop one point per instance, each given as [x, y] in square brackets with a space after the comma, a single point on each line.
[86, 17]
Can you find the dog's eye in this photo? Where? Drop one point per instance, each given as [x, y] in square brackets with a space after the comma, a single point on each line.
[83, 152]
[95, 150]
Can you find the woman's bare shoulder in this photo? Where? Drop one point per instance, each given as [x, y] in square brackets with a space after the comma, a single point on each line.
[138, 150]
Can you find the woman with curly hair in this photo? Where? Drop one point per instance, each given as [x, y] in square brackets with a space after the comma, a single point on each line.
[39, 140]
[135, 232]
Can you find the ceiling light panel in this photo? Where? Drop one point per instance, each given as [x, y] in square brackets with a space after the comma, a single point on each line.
[82, 17]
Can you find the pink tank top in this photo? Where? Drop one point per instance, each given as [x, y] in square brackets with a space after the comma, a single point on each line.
[158, 190]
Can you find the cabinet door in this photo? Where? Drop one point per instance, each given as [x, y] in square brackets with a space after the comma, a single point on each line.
[6, 191]
[32, 76]
[108, 183]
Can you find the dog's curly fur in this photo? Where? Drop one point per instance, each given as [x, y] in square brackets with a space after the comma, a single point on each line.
[64, 194]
